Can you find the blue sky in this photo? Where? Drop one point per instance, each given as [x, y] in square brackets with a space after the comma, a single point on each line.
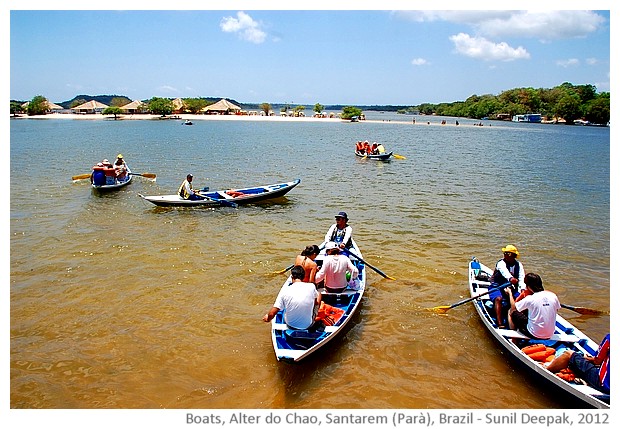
[304, 56]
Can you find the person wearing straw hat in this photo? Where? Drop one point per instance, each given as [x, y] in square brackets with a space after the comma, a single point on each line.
[507, 270]
[120, 167]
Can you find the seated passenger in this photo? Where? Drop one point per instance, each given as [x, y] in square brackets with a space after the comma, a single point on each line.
[306, 260]
[359, 147]
[120, 167]
[187, 192]
[335, 268]
[299, 300]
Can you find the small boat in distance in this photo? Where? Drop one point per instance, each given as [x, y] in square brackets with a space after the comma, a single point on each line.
[378, 157]
[565, 337]
[230, 197]
[529, 117]
[188, 122]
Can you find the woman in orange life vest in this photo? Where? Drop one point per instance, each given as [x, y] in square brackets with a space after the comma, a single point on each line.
[373, 149]
[359, 147]
[366, 148]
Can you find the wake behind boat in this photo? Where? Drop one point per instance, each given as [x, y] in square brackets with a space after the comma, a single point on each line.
[565, 337]
[293, 345]
[230, 197]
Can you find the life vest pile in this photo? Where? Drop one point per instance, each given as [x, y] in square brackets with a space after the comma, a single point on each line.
[329, 314]
[539, 352]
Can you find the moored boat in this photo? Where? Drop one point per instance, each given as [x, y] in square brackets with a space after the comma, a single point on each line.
[293, 345]
[565, 337]
[104, 179]
[230, 197]
[378, 157]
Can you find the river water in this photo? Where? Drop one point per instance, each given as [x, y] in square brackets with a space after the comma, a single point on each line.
[115, 303]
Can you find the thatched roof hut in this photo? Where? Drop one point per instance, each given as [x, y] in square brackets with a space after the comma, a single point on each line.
[133, 107]
[222, 107]
[91, 106]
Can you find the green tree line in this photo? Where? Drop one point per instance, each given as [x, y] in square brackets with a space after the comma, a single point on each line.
[566, 101]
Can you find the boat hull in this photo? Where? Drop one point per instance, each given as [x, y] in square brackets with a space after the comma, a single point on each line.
[114, 186]
[380, 157]
[291, 349]
[221, 198]
[566, 336]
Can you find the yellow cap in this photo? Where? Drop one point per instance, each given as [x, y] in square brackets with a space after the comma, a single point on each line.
[510, 248]
[120, 155]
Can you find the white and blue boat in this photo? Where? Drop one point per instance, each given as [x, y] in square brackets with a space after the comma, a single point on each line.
[293, 345]
[104, 179]
[565, 337]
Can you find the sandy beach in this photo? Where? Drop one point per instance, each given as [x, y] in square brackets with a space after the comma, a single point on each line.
[180, 117]
[406, 119]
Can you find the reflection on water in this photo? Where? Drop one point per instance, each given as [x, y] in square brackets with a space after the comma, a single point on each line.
[116, 303]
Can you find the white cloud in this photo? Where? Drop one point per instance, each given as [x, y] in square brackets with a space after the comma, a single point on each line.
[245, 27]
[543, 25]
[419, 62]
[481, 48]
[571, 62]
[592, 61]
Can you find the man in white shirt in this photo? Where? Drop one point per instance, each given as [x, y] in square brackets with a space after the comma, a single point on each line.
[334, 269]
[533, 312]
[299, 300]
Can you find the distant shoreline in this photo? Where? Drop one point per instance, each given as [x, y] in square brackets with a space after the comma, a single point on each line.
[408, 120]
[179, 117]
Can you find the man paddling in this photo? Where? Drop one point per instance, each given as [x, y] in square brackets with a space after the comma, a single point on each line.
[187, 192]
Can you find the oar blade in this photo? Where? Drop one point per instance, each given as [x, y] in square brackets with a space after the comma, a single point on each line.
[397, 156]
[585, 310]
[442, 309]
[80, 177]
[149, 175]
[590, 311]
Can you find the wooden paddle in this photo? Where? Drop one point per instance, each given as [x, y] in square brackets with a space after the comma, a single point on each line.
[81, 177]
[376, 270]
[87, 176]
[397, 156]
[147, 175]
[225, 203]
[584, 310]
[444, 308]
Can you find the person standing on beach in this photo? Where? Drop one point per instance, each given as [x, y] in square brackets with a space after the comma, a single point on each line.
[187, 192]
[341, 232]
